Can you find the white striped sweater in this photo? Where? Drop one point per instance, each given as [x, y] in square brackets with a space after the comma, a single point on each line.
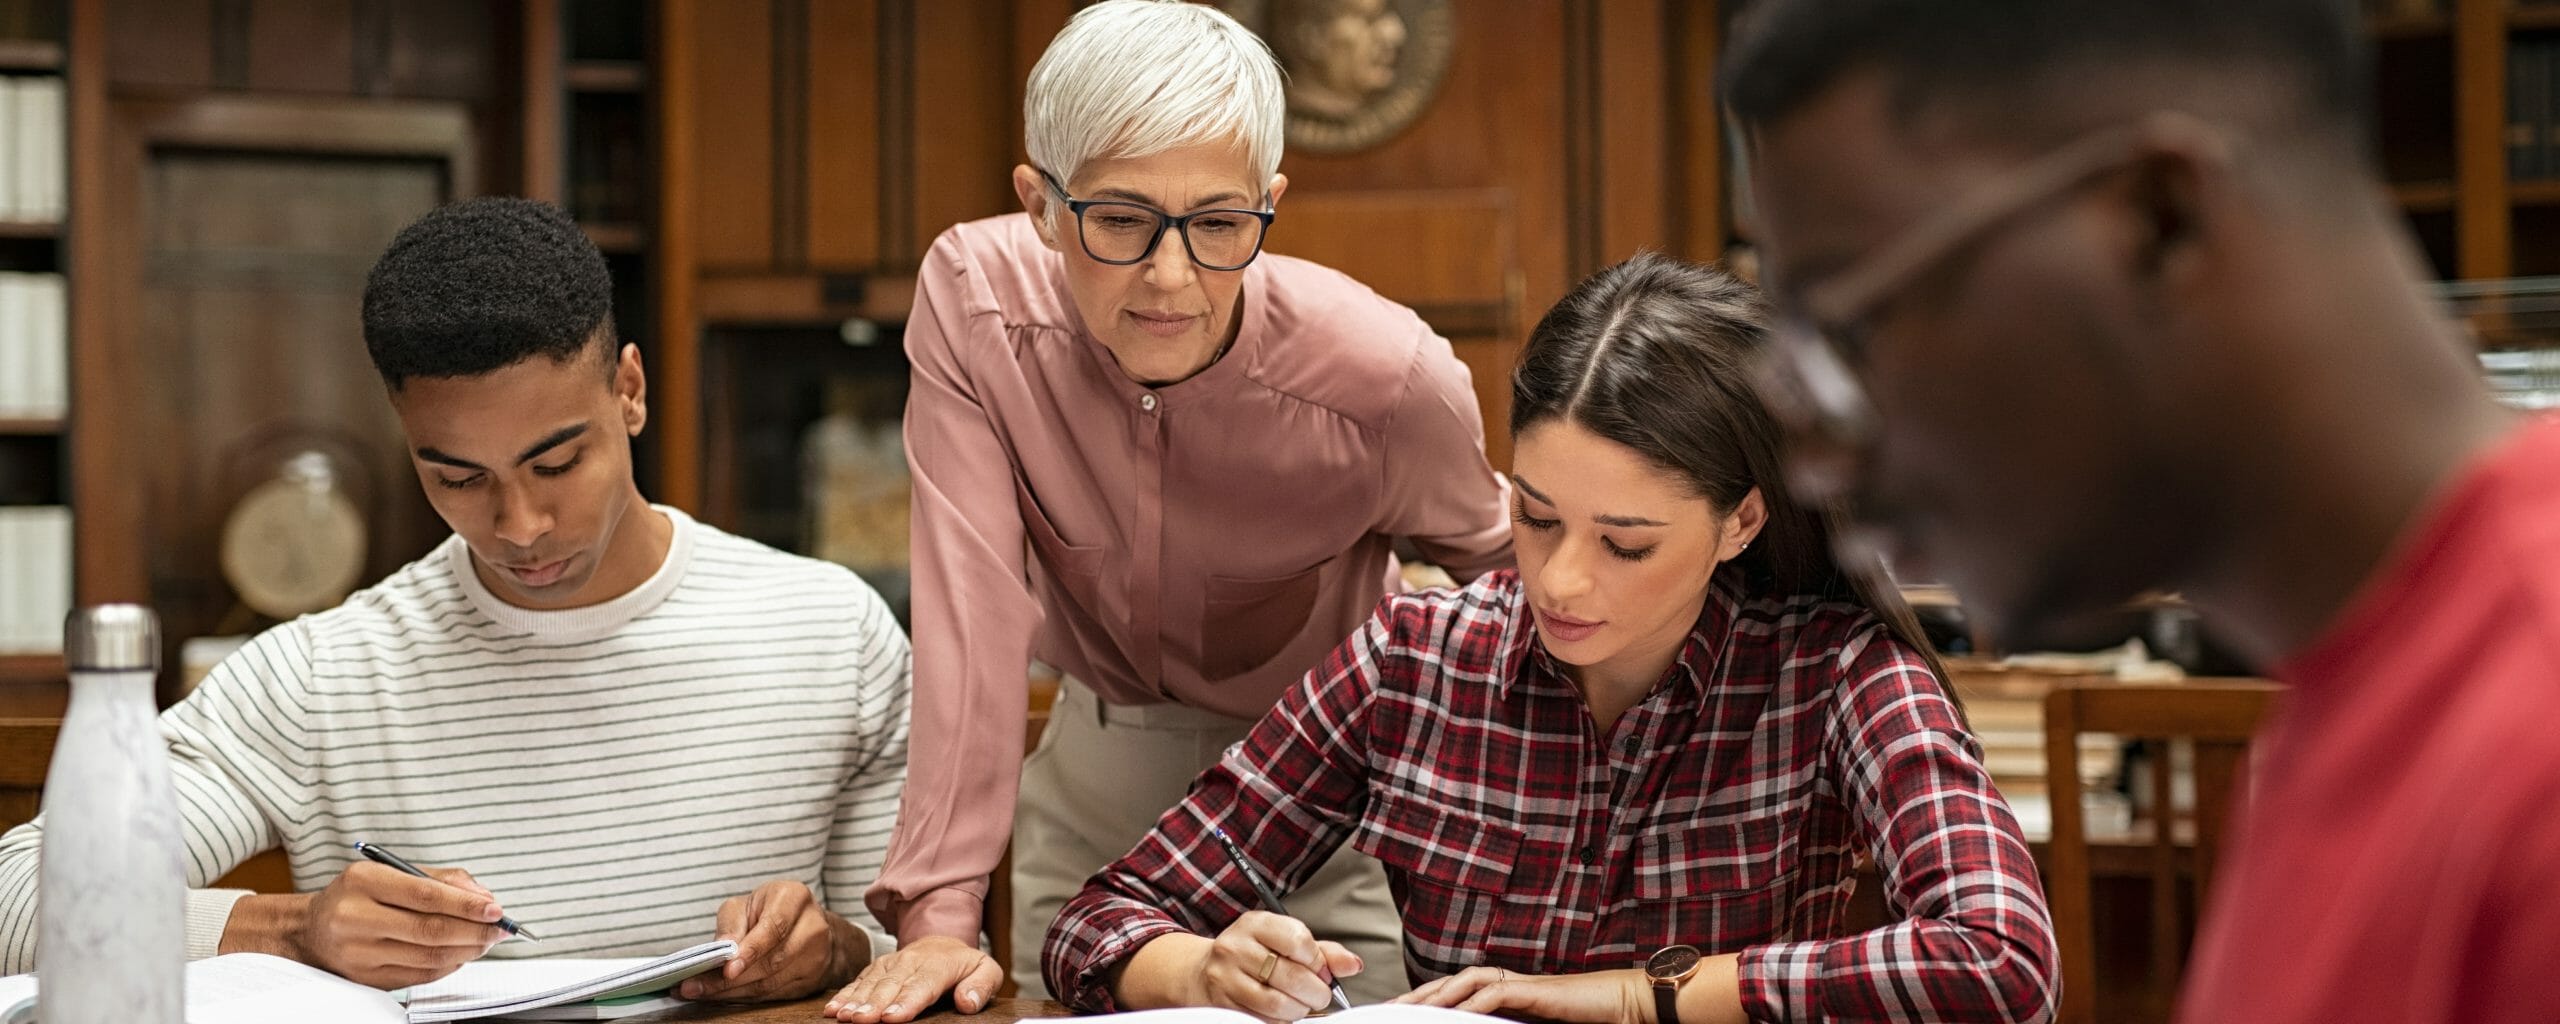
[611, 772]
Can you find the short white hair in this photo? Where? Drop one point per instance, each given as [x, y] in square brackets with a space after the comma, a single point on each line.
[1133, 78]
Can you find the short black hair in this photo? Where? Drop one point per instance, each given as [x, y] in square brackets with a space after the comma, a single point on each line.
[481, 285]
[1786, 52]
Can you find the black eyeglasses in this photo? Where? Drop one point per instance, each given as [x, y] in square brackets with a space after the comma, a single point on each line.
[1121, 234]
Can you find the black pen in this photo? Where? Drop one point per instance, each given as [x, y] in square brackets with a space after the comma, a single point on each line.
[1271, 902]
[392, 860]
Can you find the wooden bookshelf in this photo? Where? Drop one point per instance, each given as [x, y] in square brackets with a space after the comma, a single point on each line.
[587, 138]
[2539, 192]
[2408, 26]
[22, 426]
[605, 76]
[2442, 92]
[43, 230]
[618, 239]
[2424, 196]
[21, 670]
[2533, 17]
[33, 686]
[30, 56]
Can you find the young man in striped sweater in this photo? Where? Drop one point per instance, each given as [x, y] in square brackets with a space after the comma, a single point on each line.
[635, 731]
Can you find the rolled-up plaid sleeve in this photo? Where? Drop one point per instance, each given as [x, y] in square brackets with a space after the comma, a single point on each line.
[1288, 795]
[1976, 941]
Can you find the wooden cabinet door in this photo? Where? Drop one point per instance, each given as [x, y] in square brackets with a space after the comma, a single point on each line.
[843, 135]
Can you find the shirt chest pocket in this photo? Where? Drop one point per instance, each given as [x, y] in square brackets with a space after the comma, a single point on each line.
[1718, 886]
[1246, 622]
[1445, 847]
[1454, 874]
[1075, 565]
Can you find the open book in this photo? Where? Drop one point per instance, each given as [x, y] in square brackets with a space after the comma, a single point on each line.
[250, 988]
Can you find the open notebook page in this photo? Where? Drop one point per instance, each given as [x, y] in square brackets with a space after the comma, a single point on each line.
[489, 987]
[248, 988]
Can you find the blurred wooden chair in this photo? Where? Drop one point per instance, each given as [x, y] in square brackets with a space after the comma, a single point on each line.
[2218, 716]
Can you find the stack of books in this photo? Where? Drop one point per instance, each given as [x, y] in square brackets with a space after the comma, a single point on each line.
[2524, 378]
[35, 577]
[2514, 324]
[32, 168]
[35, 369]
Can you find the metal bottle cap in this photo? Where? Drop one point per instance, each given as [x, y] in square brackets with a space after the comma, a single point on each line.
[111, 638]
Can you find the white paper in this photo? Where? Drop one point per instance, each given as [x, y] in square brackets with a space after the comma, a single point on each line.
[17, 345]
[48, 311]
[490, 987]
[17, 581]
[50, 603]
[253, 988]
[17, 998]
[51, 149]
[27, 152]
[12, 140]
[39, 147]
[250, 988]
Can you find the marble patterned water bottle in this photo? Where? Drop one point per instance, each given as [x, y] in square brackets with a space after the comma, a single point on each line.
[111, 937]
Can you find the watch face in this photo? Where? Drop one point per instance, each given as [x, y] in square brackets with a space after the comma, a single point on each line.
[1672, 962]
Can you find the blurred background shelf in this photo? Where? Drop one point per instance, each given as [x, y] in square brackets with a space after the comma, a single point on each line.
[30, 56]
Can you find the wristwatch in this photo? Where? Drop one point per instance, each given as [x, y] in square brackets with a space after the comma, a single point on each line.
[1665, 971]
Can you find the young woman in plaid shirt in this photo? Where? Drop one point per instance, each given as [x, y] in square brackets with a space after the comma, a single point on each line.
[1678, 723]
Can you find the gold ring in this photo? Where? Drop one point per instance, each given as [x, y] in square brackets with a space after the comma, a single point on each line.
[1268, 966]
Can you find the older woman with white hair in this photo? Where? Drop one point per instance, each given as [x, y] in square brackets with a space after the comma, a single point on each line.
[1168, 464]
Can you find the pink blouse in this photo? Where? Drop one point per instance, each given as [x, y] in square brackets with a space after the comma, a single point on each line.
[1205, 542]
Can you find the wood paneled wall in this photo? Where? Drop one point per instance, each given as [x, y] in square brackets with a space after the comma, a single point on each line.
[833, 139]
[843, 135]
[240, 164]
[457, 50]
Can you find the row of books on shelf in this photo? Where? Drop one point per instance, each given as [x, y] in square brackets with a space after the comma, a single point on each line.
[35, 577]
[2533, 108]
[31, 19]
[2429, 8]
[2524, 378]
[32, 168]
[35, 371]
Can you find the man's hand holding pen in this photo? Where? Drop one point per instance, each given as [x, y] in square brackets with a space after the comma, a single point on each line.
[374, 924]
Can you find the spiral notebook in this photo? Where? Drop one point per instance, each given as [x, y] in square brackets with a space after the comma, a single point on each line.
[562, 989]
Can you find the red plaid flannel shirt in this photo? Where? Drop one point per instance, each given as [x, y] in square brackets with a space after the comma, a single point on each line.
[1725, 811]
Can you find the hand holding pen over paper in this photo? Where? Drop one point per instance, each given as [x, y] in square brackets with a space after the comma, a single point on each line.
[1265, 964]
[383, 922]
[1269, 964]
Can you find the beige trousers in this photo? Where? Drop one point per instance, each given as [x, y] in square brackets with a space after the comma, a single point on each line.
[1098, 781]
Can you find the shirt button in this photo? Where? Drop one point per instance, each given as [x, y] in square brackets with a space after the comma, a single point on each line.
[1147, 403]
[1628, 747]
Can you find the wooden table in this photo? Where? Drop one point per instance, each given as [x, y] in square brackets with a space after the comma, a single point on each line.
[1002, 1011]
